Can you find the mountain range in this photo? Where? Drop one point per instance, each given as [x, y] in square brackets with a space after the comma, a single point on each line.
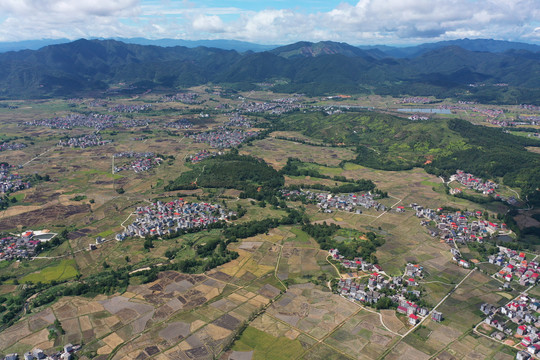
[313, 68]
[488, 45]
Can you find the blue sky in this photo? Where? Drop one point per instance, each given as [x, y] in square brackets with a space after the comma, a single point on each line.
[276, 22]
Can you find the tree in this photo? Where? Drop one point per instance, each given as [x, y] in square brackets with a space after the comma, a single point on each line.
[148, 244]
[384, 303]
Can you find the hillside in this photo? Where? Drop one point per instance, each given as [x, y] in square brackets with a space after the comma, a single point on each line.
[309, 49]
[314, 69]
[441, 146]
[483, 45]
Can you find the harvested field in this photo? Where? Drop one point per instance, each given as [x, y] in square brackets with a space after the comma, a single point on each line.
[391, 321]
[119, 303]
[269, 291]
[175, 331]
[43, 216]
[227, 321]
[113, 340]
[311, 309]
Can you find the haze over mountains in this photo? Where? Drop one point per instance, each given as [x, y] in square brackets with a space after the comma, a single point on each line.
[442, 69]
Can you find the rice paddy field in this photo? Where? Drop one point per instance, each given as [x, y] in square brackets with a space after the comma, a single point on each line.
[274, 301]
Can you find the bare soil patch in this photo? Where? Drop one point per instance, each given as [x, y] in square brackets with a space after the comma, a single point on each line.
[175, 331]
[227, 321]
[43, 215]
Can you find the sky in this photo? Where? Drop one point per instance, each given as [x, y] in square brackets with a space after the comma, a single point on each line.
[275, 22]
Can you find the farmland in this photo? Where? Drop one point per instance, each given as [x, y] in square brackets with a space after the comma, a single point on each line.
[272, 293]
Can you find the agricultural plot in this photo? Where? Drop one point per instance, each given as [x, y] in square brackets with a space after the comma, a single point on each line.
[362, 336]
[276, 151]
[66, 269]
[186, 316]
[452, 334]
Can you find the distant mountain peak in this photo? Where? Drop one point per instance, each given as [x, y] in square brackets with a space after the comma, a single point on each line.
[309, 49]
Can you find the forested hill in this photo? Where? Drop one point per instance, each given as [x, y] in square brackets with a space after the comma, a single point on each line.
[316, 69]
[440, 146]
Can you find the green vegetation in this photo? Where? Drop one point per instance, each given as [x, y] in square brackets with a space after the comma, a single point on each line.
[363, 246]
[66, 269]
[295, 167]
[266, 346]
[78, 198]
[231, 171]
[390, 143]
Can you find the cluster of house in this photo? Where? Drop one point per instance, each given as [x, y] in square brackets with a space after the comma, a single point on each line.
[400, 286]
[290, 99]
[530, 119]
[416, 117]
[38, 354]
[355, 264]
[223, 138]
[203, 154]
[11, 146]
[414, 100]
[514, 266]
[472, 182]
[10, 182]
[457, 227]
[163, 217]
[143, 161]
[96, 121]
[186, 98]
[491, 113]
[530, 107]
[180, 124]
[24, 245]
[238, 120]
[273, 108]
[521, 311]
[327, 202]
[84, 141]
[96, 103]
[130, 108]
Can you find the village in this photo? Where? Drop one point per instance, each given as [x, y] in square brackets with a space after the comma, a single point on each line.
[182, 123]
[143, 161]
[518, 321]
[402, 291]
[94, 120]
[23, 246]
[472, 182]
[274, 108]
[84, 141]
[130, 108]
[328, 202]
[477, 184]
[10, 182]
[11, 146]
[203, 154]
[414, 100]
[457, 228]
[238, 120]
[161, 218]
[67, 353]
[186, 98]
[223, 138]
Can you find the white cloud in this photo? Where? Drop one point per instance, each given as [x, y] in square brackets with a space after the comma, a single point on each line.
[419, 19]
[367, 21]
[208, 23]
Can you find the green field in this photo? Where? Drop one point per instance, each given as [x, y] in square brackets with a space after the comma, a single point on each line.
[65, 269]
[267, 347]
